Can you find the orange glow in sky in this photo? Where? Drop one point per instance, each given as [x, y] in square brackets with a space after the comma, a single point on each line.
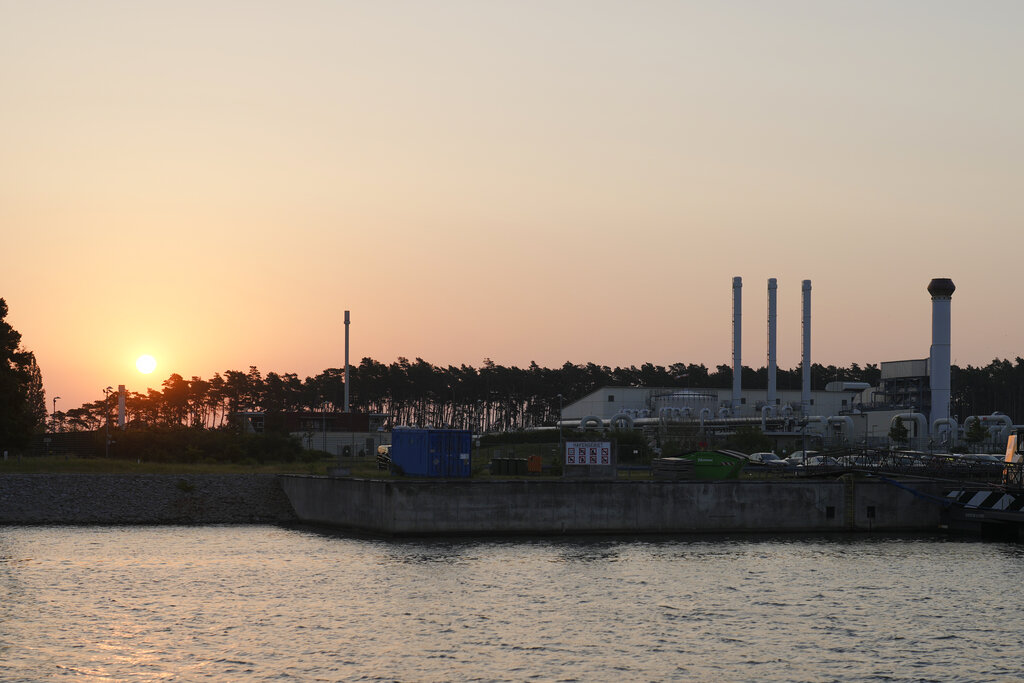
[213, 184]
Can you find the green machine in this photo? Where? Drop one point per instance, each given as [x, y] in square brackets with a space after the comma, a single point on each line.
[716, 464]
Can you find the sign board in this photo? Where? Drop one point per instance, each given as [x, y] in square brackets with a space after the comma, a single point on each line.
[597, 453]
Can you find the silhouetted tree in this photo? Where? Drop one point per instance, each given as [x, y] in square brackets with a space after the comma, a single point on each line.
[493, 396]
[898, 432]
[22, 403]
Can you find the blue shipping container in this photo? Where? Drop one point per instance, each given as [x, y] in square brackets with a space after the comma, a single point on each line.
[432, 452]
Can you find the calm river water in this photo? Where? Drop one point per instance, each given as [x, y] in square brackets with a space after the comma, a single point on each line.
[272, 603]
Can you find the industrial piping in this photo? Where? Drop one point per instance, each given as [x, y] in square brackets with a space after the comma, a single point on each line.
[988, 420]
[953, 430]
[842, 420]
[621, 422]
[674, 414]
[817, 419]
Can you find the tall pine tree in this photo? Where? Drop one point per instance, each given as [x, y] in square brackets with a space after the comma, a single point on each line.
[22, 405]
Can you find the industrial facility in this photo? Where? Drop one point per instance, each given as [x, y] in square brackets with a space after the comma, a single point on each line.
[916, 392]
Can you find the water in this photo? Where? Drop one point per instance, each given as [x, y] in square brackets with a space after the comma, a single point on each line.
[271, 603]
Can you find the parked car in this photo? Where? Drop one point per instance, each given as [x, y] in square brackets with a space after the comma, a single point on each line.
[797, 457]
[820, 461]
[769, 459]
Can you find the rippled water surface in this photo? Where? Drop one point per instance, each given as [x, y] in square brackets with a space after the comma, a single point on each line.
[270, 603]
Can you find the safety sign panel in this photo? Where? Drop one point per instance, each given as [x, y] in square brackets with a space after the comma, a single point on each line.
[588, 453]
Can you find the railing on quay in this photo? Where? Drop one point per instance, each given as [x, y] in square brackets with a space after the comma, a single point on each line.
[953, 467]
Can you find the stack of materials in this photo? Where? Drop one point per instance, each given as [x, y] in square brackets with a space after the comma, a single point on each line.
[672, 468]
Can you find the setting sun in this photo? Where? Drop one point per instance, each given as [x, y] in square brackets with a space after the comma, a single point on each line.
[146, 364]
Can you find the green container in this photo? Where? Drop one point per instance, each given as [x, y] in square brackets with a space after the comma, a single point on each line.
[715, 465]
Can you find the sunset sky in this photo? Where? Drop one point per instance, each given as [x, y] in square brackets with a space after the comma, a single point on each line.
[214, 183]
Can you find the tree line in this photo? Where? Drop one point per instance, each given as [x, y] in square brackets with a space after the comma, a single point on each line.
[492, 397]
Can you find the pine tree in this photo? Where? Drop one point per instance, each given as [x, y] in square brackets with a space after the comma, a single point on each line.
[898, 432]
[22, 404]
[976, 432]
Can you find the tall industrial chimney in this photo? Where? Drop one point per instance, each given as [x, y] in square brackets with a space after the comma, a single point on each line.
[120, 406]
[346, 362]
[941, 290]
[805, 390]
[737, 334]
[772, 287]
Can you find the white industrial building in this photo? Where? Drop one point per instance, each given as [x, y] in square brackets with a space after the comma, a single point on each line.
[674, 403]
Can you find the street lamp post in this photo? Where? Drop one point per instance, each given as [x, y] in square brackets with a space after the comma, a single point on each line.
[560, 447]
[55, 399]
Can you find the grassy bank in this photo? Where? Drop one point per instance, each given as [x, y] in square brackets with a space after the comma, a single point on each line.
[60, 465]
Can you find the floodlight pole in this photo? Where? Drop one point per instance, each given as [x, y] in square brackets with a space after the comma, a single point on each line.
[560, 446]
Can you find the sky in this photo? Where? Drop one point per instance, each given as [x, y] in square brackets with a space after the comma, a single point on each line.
[215, 183]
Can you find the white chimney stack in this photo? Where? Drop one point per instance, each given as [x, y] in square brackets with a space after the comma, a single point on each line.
[941, 290]
[737, 333]
[120, 406]
[805, 390]
[772, 291]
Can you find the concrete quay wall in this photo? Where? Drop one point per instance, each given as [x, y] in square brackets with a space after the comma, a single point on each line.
[142, 499]
[422, 507]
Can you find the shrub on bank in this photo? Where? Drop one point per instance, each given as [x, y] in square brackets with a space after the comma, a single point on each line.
[202, 445]
[519, 437]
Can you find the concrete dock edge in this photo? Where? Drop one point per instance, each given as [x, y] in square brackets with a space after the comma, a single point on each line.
[426, 507]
